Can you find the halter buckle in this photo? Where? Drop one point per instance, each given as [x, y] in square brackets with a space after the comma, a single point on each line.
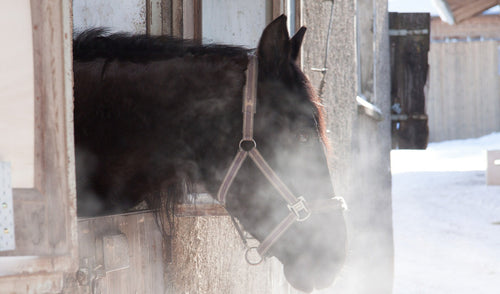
[300, 209]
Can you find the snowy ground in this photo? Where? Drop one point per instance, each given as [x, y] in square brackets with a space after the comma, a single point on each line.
[446, 219]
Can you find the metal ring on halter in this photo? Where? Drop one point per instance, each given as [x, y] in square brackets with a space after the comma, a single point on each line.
[247, 258]
[250, 142]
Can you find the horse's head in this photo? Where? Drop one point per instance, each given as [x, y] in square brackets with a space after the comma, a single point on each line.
[290, 134]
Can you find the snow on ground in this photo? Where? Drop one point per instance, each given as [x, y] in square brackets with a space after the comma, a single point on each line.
[446, 219]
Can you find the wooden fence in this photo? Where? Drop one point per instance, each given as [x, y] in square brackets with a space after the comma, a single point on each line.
[463, 98]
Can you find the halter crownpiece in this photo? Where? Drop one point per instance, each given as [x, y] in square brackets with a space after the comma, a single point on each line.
[298, 206]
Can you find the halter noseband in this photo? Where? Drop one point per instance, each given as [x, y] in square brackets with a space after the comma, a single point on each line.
[299, 208]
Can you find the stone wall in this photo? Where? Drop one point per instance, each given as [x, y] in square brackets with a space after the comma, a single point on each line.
[360, 155]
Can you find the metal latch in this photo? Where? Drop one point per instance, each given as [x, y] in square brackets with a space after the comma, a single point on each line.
[114, 257]
[404, 32]
[7, 237]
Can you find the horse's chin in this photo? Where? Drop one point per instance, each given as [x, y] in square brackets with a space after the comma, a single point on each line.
[306, 280]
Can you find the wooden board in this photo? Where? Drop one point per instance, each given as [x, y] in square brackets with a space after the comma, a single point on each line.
[141, 264]
[409, 38]
[464, 9]
[122, 254]
[463, 99]
[45, 215]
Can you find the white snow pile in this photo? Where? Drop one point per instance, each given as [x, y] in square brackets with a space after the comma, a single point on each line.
[446, 219]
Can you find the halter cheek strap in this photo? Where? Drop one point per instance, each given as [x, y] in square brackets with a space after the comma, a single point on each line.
[299, 210]
[248, 146]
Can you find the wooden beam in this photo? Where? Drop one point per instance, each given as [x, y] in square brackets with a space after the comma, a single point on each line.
[444, 11]
[456, 11]
[45, 216]
[154, 22]
[190, 210]
[191, 19]
[471, 8]
[177, 18]
[485, 26]
[197, 20]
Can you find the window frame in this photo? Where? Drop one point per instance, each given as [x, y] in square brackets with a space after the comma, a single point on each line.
[45, 215]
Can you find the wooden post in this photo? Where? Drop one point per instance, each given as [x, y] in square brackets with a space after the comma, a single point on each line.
[177, 18]
[45, 216]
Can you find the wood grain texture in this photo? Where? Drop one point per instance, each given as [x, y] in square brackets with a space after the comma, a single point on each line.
[46, 215]
[464, 9]
[208, 257]
[207, 252]
[177, 18]
[409, 68]
[147, 266]
[463, 90]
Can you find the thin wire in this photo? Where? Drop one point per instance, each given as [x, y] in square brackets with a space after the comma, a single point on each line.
[327, 48]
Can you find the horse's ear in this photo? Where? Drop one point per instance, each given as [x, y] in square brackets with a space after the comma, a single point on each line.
[274, 46]
[296, 43]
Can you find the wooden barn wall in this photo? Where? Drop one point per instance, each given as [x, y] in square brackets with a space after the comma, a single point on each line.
[359, 158]
[485, 26]
[463, 99]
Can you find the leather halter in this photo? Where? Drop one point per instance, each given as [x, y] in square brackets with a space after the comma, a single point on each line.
[299, 209]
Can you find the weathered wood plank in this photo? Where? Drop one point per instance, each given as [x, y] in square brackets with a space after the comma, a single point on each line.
[177, 18]
[46, 215]
[42, 283]
[154, 22]
[464, 94]
[145, 252]
[166, 17]
[463, 10]
[197, 20]
[188, 210]
[409, 66]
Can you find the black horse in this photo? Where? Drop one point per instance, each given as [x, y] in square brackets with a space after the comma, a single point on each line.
[155, 114]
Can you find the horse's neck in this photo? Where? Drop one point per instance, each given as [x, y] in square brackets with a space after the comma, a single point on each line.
[209, 116]
[191, 102]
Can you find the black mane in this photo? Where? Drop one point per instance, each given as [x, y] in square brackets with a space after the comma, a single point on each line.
[98, 43]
